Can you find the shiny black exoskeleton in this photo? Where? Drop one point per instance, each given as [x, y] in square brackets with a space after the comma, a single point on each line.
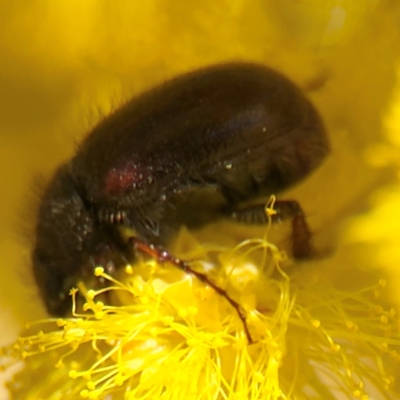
[184, 153]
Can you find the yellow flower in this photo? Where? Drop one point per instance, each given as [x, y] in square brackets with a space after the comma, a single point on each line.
[325, 329]
[172, 337]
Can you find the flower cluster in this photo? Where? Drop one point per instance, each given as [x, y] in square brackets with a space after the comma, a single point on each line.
[169, 336]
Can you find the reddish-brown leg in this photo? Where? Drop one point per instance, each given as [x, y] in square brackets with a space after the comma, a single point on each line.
[162, 256]
[301, 235]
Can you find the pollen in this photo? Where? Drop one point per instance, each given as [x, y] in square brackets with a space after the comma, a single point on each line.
[166, 339]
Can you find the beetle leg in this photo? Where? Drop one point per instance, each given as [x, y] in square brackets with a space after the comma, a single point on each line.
[301, 234]
[162, 256]
[284, 209]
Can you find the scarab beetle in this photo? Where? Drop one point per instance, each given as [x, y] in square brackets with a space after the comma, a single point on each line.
[187, 152]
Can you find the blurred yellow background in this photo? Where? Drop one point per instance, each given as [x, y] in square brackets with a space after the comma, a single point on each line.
[64, 64]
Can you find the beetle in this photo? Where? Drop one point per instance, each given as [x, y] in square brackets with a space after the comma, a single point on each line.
[187, 152]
